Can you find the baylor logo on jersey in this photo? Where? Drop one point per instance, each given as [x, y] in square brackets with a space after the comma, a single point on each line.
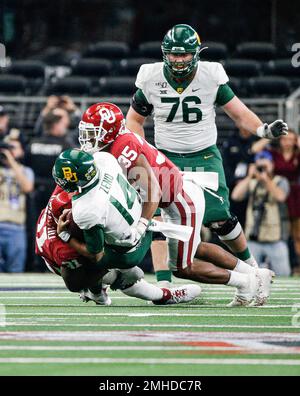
[180, 90]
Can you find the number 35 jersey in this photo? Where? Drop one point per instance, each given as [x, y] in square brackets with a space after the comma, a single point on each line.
[184, 120]
[128, 147]
[112, 203]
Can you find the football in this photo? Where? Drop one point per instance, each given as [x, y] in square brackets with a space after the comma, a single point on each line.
[73, 228]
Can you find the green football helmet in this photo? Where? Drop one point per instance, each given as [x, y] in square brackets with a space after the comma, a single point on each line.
[74, 170]
[181, 39]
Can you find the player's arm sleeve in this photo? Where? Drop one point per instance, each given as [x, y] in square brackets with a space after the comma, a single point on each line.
[94, 239]
[140, 104]
[224, 95]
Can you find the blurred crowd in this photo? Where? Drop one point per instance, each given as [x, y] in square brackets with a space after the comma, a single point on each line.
[263, 177]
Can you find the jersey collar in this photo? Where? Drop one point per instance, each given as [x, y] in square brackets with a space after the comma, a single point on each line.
[179, 85]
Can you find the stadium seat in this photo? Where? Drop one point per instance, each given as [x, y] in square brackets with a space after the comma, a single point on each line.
[130, 67]
[12, 84]
[70, 85]
[261, 51]
[117, 86]
[282, 67]
[150, 49]
[56, 56]
[27, 68]
[214, 52]
[237, 86]
[107, 49]
[33, 70]
[271, 86]
[242, 68]
[93, 68]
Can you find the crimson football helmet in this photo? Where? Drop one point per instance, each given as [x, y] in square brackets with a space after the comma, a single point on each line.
[101, 122]
[59, 202]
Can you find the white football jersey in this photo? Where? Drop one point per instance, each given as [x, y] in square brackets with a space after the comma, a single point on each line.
[113, 203]
[185, 122]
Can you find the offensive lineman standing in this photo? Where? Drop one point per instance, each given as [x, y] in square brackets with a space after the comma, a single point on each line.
[182, 93]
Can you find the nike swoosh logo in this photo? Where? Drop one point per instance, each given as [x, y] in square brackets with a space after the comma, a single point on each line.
[208, 156]
[194, 90]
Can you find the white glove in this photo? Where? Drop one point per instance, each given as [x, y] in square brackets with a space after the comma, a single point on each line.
[272, 131]
[136, 234]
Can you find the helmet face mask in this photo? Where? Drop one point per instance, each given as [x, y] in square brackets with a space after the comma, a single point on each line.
[100, 125]
[181, 40]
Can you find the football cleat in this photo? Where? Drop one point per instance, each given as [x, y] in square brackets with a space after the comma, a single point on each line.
[265, 279]
[100, 299]
[178, 295]
[245, 295]
[164, 284]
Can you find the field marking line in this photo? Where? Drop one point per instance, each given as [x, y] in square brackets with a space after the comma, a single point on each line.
[145, 314]
[145, 325]
[269, 362]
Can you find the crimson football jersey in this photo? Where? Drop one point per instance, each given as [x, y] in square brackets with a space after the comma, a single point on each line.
[48, 245]
[127, 148]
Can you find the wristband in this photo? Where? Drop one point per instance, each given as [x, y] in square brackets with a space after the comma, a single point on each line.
[261, 130]
[64, 236]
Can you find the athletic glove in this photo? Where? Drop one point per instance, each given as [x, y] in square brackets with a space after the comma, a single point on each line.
[137, 233]
[272, 131]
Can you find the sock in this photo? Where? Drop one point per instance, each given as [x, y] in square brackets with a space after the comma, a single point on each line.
[237, 279]
[163, 275]
[244, 255]
[251, 261]
[96, 289]
[243, 267]
[145, 291]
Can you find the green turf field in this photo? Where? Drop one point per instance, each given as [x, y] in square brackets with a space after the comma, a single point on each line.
[46, 330]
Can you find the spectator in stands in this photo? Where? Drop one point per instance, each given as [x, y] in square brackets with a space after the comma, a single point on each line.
[266, 217]
[286, 156]
[42, 152]
[5, 130]
[16, 181]
[59, 102]
[237, 155]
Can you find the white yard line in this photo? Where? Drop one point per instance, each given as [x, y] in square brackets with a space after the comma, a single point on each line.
[149, 336]
[143, 305]
[269, 362]
[260, 350]
[126, 298]
[144, 314]
[146, 325]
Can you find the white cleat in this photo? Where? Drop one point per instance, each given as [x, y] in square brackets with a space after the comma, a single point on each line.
[99, 299]
[264, 279]
[165, 284]
[182, 294]
[245, 295]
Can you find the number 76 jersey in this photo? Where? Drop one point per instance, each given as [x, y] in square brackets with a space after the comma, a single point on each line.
[184, 119]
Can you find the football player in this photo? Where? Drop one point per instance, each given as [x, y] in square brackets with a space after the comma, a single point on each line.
[67, 258]
[107, 208]
[181, 201]
[182, 93]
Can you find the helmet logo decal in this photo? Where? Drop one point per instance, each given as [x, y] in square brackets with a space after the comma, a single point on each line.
[107, 115]
[68, 175]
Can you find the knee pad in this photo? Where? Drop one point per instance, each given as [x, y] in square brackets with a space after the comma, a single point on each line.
[227, 231]
[127, 277]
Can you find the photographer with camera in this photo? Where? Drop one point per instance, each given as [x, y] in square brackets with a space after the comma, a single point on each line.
[266, 216]
[16, 181]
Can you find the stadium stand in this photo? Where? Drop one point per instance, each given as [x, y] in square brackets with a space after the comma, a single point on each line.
[70, 85]
[214, 51]
[107, 49]
[260, 51]
[150, 49]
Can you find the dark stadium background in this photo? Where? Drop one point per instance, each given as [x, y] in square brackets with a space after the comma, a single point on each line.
[56, 47]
